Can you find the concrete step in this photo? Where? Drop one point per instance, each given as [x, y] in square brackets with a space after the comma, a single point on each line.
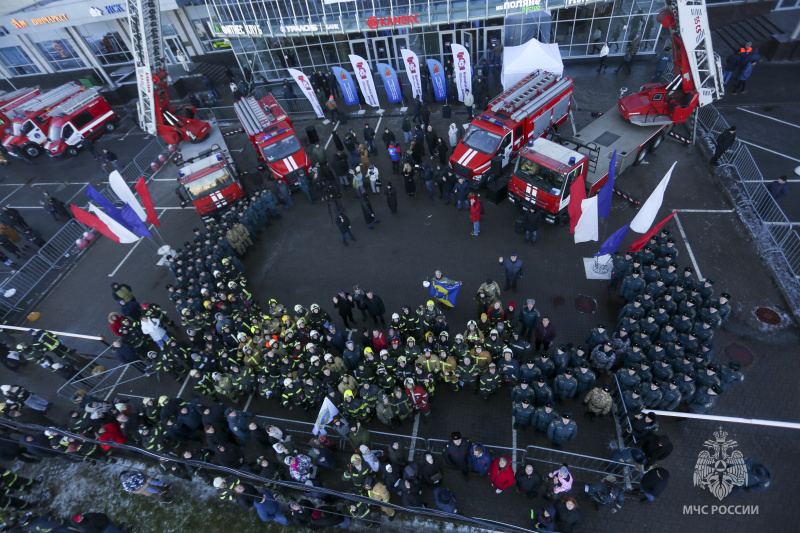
[757, 29]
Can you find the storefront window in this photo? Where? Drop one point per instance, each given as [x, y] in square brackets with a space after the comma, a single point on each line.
[17, 61]
[105, 43]
[209, 42]
[60, 54]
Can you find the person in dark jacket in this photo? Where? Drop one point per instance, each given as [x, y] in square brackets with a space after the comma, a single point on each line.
[343, 223]
[529, 481]
[391, 197]
[445, 500]
[724, 141]
[456, 453]
[545, 333]
[568, 516]
[532, 219]
[653, 484]
[367, 211]
[269, 510]
[656, 448]
[514, 269]
[432, 472]
[95, 523]
[375, 308]
[411, 494]
[777, 189]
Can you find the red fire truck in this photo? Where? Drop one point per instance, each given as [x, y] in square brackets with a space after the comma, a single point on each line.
[9, 102]
[31, 119]
[521, 113]
[546, 169]
[208, 176]
[86, 115]
[271, 133]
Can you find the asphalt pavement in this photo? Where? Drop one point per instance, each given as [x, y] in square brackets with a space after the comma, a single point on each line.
[300, 259]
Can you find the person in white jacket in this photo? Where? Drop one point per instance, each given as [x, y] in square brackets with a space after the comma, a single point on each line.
[603, 56]
[152, 327]
[469, 101]
[373, 174]
[453, 134]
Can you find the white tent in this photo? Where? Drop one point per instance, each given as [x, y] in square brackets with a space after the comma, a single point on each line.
[519, 61]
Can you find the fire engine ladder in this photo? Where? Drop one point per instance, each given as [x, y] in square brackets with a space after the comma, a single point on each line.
[73, 103]
[12, 97]
[691, 20]
[147, 45]
[51, 98]
[251, 115]
[523, 92]
[543, 99]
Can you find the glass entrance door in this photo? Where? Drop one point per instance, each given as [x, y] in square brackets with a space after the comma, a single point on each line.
[447, 51]
[359, 47]
[381, 51]
[173, 48]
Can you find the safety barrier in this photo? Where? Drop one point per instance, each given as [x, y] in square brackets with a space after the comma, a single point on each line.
[140, 165]
[621, 414]
[756, 198]
[19, 290]
[222, 115]
[98, 383]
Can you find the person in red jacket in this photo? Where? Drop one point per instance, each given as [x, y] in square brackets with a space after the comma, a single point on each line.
[475, 214]
[419, 397]
[111, 432]
[501, 474]
[115, 322]
[378, 341]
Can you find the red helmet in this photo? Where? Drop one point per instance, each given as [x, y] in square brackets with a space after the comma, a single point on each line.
[145, 306]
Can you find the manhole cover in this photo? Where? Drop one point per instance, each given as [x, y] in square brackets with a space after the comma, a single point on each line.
[585, 304]
[768, 316]
[740, 354]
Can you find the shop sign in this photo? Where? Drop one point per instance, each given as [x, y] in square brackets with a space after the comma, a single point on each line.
[375, 22]
[238, 29]
[109, 9]
[308, 28]
[524, 5]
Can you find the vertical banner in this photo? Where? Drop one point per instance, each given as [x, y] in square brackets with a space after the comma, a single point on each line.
[411, 63]
[389, 77]
[437, 79]
[365, 81]
[462, 70]
[346, 85]
[305, 85]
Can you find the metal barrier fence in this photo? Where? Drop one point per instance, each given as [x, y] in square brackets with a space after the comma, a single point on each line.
[140, 165]
[19, 290]
[784, 238]
[621, 414]
[222, 115]
[98, 383]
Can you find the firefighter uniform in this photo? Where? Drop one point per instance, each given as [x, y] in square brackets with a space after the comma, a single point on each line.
[523, 413]
[562, 429]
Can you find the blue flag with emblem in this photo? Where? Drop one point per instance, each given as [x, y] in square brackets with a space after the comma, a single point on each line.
[605, 194]
[437, 79]
[389, 77]
[447, 294]
[346, 85]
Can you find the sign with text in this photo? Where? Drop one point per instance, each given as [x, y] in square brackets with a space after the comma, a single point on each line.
[305, 85]
[365, 81]
[346, 85]
[462, 71]
[389, 77]
[437, 79]
[376, 22]
[411, 62]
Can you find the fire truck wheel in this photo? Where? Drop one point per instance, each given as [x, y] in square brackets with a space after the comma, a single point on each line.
[656, 142]
[72, 151]
[33, 150]
[640, 156]
[110, 126]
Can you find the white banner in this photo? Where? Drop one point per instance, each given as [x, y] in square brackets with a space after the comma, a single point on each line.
[411, 62]
[365, 81]
[462, 70]
[327, 413]
[305, 86]
[121, 189]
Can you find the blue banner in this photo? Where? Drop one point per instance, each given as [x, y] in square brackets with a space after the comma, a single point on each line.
[389, 77]
[346, 85]
[437, 79]
[447, 294]
[605, 194]
[612, 243]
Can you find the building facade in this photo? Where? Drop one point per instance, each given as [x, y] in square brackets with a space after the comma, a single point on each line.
[268, 36]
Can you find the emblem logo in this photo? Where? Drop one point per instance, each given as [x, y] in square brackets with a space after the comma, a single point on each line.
[719, 467]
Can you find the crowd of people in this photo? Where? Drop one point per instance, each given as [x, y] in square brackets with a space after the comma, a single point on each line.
[231, 347]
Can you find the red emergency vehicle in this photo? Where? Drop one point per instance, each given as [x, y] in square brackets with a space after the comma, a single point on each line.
[207, 174]
[86, 115]
[523, 112]
[31, 119]
[9, 102]
[271, 132]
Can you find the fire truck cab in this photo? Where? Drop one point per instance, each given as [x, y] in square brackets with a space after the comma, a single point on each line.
[86, 115]
[208, 176]
[523, 112]
[31, 121]
[273, 137]
[9, 102]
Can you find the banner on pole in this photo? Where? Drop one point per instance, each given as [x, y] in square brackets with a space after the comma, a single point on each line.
[365, 81]
[305, 85]
[411, 62]
[347, 86]
[437, 79]
[390, 83]
[462, 70]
